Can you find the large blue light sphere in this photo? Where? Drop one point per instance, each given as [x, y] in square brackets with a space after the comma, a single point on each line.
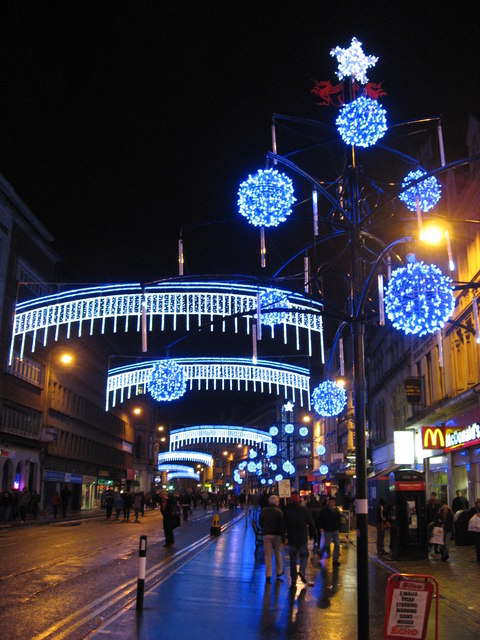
[362, 122]
[428, 191]
[419, 299]
[328, 399]
[266, 198]
[273, 299]
[167, 381]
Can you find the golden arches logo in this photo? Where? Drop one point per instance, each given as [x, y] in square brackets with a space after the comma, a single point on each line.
[433, 438]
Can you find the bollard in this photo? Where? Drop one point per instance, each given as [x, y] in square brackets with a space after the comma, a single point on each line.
[142, 562]
[215, 528]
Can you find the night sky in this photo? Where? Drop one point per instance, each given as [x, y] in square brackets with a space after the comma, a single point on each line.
[121, 122]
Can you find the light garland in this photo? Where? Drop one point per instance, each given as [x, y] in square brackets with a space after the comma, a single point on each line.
[428, 192]
[419, 299]
[266, 198]
[352, 62]
[362, 122]
[328, 399]
[167, 381]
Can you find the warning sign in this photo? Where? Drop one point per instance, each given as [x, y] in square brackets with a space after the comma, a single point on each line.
[408, 608]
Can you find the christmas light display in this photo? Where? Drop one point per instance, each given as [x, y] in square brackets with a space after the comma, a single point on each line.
[214, 434]
[106, 307]
[183, 474]
[273, 431]
[303, 431]
[274, 299]
[361, 122]
[289, 428]
[323, 469]
[266, 198]
[167, 381]
[328, 399]
[188, 456]
[352, 62]
[320, 450]
[427, 192]
[271, 450]
[252, 454]
[251, 466]
[288, 467]
[419, 299]
[278, 477]
[175, 467]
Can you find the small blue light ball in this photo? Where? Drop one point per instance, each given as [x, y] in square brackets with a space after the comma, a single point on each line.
[427, 191]
[266, 198]
[167, 381]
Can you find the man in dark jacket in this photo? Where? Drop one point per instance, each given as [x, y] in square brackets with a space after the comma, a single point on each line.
[270, 521]
[330, 522]
[297, 524]
[460, 503]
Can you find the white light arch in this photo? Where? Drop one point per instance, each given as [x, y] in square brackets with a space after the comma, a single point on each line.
[188, 456]
[212, 434]
[265, 374]
[91, 308]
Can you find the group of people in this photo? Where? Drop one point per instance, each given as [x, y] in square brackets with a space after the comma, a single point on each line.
[14, 505]
[293, 526]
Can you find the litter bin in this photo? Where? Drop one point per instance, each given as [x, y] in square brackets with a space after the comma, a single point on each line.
[406, 513]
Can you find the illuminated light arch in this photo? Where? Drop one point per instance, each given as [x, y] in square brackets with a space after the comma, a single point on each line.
[183, 475]
[90, 308]
[134, 378]
[175, 467]
[213, 434]
[165, 457]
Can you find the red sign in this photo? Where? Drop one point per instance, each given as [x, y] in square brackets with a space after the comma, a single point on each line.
[130, 474]
[408, 606]
[4, 453]
[409, 486]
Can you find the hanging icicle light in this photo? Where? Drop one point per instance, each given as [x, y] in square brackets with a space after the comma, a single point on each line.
[419, 299]
[266, 198]
[167, 381]
[361, 122]
[427, 192]
[274, 299]
[328, 399]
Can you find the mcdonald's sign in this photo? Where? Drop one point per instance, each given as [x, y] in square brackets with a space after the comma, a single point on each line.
[433, 437]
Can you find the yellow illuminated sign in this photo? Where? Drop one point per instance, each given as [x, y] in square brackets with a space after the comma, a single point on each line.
[433, 437]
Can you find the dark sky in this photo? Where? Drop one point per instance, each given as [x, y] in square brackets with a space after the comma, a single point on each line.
[121, 122]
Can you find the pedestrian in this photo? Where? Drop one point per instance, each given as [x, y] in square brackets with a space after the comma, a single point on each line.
[168, 508]
[431, 508]
[55, 502]
[296, 527]
[137, 505]
[108, 504]
[315, 508]
[65, 496]
[118, 505]
[459, 503]
[474, 527]
[330, 520]
[444, 519]
[381, 526]
[270, 521]
[35, 503]
[127, 505]
[185, 503]
[24, 503]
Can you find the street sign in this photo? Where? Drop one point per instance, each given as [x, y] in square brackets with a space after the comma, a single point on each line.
[408, 605]
[284, 490]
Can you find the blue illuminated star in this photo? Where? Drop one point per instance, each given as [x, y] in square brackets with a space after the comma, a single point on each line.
[353, 62]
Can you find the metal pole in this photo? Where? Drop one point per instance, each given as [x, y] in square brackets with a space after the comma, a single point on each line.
[142, 562]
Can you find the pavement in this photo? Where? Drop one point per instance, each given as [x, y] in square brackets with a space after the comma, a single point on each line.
[219, 591]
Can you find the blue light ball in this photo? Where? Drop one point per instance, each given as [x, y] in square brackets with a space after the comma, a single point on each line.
[266, 198]
[328, 399]
[167, 381]
[427, 191]
[419, 299]
[362, 122]
[273, 299]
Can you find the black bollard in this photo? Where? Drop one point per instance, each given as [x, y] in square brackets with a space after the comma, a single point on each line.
[142, 563]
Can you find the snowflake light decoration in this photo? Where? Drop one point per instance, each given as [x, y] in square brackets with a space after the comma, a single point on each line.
[362, 122]
[352, 62]
[320, 450]
[323, 469]
[419, 299]
[427, 191]
[272, 299]
[167, 381]
[328, 399]
[266, 198]
[289, 428]
[303, 431]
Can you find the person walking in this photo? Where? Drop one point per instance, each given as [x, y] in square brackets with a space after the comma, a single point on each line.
[330, 523]
[315, 509]
[444, 518]
[168, 507]
[270, 522]
[185, 503]
[24, 503]
[381, 525]
[137, 505]
[127, 505]
[108, 504]
[431, 508]
[55, 502]
[459, 503]
[65, 496]
[474, 527]
[296, 527]
[35, 503]
[118, 505]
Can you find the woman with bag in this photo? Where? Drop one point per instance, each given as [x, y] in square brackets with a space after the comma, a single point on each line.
[444, 520]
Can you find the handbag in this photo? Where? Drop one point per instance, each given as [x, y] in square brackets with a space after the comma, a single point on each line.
[437, 536]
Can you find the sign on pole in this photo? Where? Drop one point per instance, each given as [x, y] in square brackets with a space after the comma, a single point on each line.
[284, 490]
[408, 606]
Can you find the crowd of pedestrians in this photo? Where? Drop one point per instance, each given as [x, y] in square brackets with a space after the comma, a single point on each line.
[15, 505]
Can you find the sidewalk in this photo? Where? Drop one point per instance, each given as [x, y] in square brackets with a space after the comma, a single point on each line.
[47, 518]
[220, 592]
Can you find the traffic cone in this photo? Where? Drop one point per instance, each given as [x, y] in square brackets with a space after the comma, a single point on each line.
[215, 528]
